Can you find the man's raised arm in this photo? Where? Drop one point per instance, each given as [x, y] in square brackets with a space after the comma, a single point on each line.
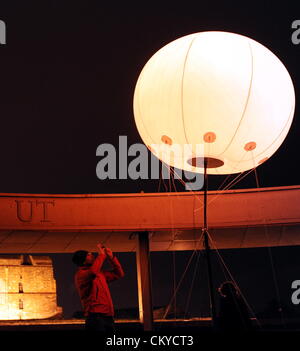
[117, 271]
[97, 264]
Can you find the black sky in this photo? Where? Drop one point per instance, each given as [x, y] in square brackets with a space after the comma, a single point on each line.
[68, 73]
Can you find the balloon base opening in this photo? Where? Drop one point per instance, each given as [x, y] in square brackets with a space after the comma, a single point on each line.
[210, 162]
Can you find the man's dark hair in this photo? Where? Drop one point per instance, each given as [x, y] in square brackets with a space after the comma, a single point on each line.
[79, 257]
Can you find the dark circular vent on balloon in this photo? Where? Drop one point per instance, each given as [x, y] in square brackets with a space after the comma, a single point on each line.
[211, 162]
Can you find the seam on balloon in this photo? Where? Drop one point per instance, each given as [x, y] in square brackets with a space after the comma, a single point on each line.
[138, 105]
[278, 136]
[246, 103]
[182, 79]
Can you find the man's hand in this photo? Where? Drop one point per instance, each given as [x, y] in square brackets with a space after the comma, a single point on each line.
[101, 249]
[109, 253]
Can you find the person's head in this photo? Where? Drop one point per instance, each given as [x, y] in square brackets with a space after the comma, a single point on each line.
[228, 289]
[83, 258]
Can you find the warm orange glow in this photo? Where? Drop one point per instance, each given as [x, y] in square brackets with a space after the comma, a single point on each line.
[222, 90]
[27, 288]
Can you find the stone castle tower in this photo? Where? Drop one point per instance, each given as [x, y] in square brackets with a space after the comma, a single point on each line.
[27, 288]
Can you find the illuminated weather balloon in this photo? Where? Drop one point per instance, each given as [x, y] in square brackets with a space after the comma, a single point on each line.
[222, 90]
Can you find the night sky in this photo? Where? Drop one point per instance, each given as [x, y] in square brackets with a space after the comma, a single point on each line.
[68, 72]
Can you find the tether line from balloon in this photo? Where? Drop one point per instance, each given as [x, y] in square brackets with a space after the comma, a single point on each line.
[232, 183]
[172, 242]
[233, 280]
[224, 269]
[206, 243]
[274, 275]
[176, 287]
[221, 191]
[224, 265]
[161, 180]
[207, 251]
[197, 260]
[192, 285]
[173, 251]
[182, 277]
[227, 187]
[171, 169]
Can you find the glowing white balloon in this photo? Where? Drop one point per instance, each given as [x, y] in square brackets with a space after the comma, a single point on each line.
[219, 89]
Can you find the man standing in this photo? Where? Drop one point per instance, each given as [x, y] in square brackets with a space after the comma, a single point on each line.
[91, 282]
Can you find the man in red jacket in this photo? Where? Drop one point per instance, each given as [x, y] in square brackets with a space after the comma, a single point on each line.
[91, 282]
